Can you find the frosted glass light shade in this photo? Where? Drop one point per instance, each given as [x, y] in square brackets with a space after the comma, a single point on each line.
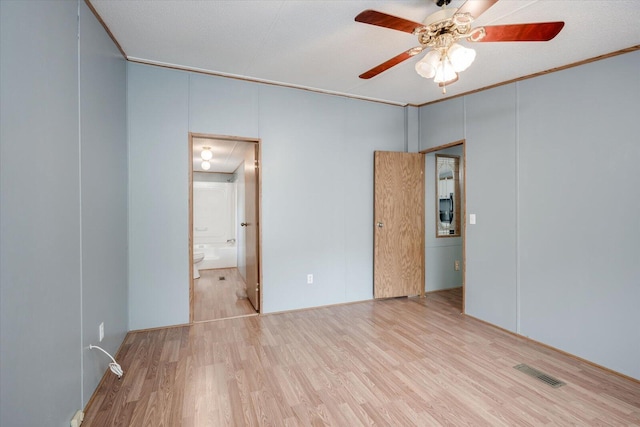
[428, 65]
[205, 165]
[206, 154]
[461, 57]
[445, 72]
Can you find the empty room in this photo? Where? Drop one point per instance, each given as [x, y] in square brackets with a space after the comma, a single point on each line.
[306, 213]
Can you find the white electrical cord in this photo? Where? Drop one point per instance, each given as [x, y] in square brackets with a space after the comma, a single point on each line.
[115, 368]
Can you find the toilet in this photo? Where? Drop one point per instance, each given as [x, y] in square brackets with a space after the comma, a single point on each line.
[197, 257]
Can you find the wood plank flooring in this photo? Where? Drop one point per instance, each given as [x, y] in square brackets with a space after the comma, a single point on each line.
[395, 362]
[215, 298]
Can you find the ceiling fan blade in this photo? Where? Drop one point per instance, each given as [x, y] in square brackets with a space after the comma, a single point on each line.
[389, 21]
[475, 8]
[538, 32]
[391, 62]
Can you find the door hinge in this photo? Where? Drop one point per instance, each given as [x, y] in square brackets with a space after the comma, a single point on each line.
[257, 287]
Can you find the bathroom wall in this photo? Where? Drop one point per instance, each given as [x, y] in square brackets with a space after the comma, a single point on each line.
[441, 253]
[543, 259]
[52, 176]
[214, 223]
[214, 212]
[317, 186]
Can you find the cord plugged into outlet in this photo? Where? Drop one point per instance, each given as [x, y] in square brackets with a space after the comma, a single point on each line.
[115, 368]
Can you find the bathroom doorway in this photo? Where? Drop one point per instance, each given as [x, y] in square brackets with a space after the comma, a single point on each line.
[445, 221]
[224, 227]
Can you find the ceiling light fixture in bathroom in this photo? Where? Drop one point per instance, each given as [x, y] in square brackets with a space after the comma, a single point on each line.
[206, 153]
[206, 165]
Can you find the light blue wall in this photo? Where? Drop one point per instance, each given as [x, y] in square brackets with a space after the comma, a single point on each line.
[412, 122]
[368, 127]
[62, 214]
[552, 176]
[491, 194]
[40, 214]
[441, 123]
[157, 108]
[104, 196]
[317, 195]
[223, 106]
[579, 233]
[440, 253]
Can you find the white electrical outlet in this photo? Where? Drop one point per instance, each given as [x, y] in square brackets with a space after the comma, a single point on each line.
[101, 332]
[77, 419]
[456, 265]
[309, 279]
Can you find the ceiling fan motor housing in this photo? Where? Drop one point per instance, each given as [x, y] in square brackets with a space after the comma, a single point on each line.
[443, 28]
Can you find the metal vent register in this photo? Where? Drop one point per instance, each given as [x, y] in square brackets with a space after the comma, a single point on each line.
[553, 382]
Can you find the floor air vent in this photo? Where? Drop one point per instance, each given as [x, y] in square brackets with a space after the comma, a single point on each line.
[555, 383]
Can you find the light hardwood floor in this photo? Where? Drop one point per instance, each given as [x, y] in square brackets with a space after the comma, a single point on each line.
[395, 362]
[215, 298]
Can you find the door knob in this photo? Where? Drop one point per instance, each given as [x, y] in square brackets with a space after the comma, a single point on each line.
[380, 225]
[243, 224]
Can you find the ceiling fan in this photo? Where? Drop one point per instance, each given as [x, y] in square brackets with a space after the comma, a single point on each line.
[442, 30]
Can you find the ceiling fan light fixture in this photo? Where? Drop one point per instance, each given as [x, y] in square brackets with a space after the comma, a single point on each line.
[428, 65]
[206, 153]
[205, 165]
[445, 72]
[461, 57]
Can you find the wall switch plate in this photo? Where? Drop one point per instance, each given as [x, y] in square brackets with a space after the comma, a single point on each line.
[101, 332]
[309, 279]
[472, 218]
[456, 265]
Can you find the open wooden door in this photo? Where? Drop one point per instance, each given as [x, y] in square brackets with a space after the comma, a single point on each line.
[251, 225]
[399, 224]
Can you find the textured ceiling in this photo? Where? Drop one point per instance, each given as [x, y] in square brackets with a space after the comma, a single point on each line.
[316, 44]
[227, 154]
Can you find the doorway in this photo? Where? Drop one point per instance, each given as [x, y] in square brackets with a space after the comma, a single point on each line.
[445, 253]
[224, 227]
